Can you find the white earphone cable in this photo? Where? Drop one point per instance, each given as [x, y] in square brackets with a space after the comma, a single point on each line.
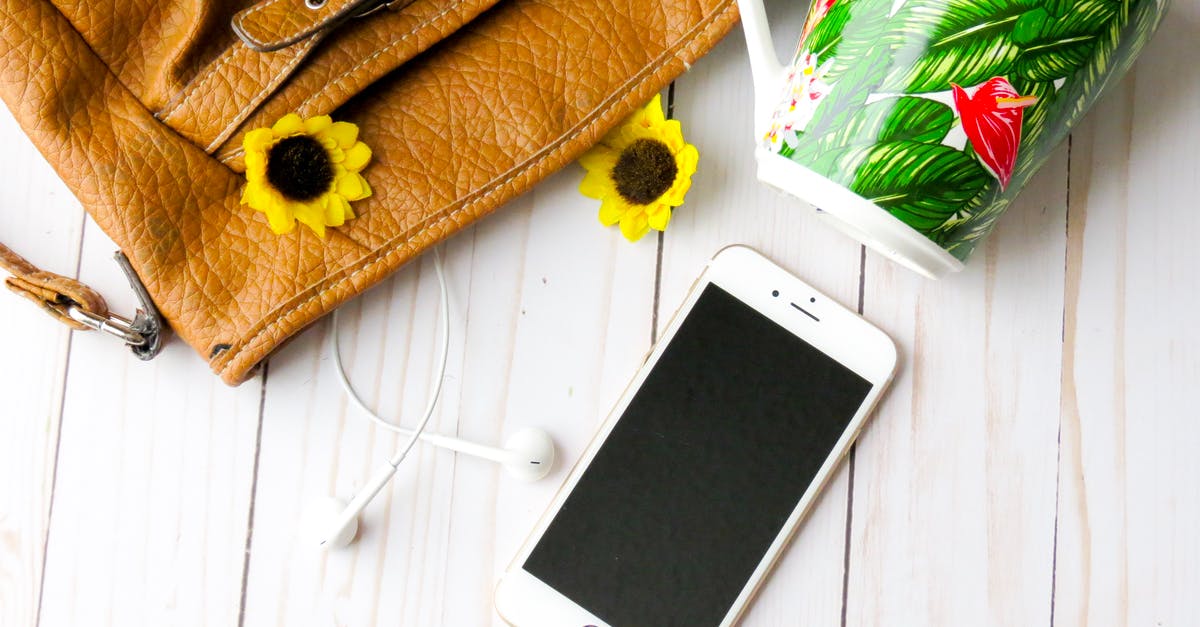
[435, 393]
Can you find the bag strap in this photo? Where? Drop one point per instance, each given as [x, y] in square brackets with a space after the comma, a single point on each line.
[54, 293]
[270, 25]
[82, 308]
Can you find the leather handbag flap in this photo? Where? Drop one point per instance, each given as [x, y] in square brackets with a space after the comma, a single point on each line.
[243, 88]
[519, 93]
[274, 24]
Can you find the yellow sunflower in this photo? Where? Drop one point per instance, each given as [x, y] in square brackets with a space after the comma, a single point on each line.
[306, 171]
[640, 171]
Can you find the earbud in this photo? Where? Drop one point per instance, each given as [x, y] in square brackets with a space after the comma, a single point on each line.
[334, 522]
[323, 524]
[531, 454]
[528, 456]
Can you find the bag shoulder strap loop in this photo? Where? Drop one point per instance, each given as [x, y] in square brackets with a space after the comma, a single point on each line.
[52, 292]
[82, 308]
[273, 24]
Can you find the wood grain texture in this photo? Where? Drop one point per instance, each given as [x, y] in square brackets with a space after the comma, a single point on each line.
[1129, 496]
[550, 313]
[953, 513]
[42, 221]
[153, 481]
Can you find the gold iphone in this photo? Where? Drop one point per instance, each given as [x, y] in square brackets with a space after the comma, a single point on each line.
[708, 463]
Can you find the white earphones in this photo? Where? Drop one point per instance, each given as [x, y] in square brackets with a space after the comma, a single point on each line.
[528, 455]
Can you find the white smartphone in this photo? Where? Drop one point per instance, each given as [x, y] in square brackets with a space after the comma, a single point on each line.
[691, 489]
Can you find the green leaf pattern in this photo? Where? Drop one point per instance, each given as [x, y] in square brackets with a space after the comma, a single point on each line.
[943, 179]
[884, 128]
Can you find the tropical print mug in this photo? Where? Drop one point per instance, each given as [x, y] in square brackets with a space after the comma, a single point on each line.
[912, 124]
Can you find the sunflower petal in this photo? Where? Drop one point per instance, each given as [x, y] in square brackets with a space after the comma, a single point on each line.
[352, 186]
[597, 184]
[258, 141]
[632, 133]
[311, 215]
[317, 124]
[634, 225]
[256, 164]
[288, 125]
[671, 134]
[658, 217]
[687, 159]
[674, 196]
[280, 219]
[336, 209]
[612, 209]
[357, 157]
[599, 157]
[344, 133]
[256, 196]
[652, 113]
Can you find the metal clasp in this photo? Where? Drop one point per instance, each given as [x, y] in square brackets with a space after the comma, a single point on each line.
[112, 324]
[143, 334]
[377, 5]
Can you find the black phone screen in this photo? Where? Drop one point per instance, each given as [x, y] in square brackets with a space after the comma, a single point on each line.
[701, 472]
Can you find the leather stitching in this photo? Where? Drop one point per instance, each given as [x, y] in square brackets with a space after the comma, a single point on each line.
[258, 98]
[241, 22]
[240, 19]
[337, 82]
[233, 154]
[385, 251]
[208, 75]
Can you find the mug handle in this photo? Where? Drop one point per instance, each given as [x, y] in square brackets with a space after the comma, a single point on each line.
[766, 70]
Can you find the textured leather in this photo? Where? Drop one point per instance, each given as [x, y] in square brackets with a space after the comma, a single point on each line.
[499, 100]
[224, 99]
[273, 24]
[215, 103]
[52, 292]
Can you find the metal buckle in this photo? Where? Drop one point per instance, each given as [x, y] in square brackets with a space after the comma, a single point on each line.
[143, 334]
[371, 6]
[112, 324]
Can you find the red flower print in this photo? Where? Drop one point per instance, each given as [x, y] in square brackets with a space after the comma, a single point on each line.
[992, 119]
[819, 9]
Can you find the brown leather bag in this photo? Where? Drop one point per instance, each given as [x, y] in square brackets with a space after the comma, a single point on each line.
[140, 106]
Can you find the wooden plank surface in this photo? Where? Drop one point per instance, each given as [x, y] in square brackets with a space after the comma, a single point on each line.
[953, 511]
[40, 220]
[549, 314]
[1129, 497]
[1033, 465]
[152, 484]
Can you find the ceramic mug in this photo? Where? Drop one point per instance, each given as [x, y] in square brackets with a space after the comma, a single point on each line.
[912, 124]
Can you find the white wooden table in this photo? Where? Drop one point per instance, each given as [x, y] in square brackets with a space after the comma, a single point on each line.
[1037, 461]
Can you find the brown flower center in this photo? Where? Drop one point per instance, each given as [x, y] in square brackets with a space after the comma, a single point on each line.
[645, 170]
[300, 168]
